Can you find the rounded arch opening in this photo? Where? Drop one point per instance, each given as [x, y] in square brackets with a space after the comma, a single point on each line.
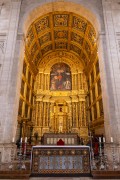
[71, 35]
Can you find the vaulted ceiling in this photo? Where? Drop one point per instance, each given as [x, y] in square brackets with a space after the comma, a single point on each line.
[60, 31]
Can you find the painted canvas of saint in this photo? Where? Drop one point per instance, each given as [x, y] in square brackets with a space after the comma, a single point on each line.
[60, 77]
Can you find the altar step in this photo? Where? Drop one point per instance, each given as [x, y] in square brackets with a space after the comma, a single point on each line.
[15, 174]
[105, 174]
[26, 174]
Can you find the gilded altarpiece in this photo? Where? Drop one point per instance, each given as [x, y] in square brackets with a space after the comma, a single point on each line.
[60, 110]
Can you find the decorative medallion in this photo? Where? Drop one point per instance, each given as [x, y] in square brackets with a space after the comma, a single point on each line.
[42, 24]
[79, 24]
[61, 34]
[61, 20]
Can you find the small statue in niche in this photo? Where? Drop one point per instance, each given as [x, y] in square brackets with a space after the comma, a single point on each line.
[60, 109]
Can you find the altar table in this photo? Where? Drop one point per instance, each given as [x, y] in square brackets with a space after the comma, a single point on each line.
[60, 161]
[68, 138]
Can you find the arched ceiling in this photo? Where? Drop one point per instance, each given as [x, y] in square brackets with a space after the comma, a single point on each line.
[60, 31]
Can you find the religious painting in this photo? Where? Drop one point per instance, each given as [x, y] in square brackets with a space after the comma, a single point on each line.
[60, 77]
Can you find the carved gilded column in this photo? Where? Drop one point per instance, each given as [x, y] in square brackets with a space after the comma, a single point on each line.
[45, 80]
[76, 114]
[75, 81]
[82, 81]
[70, 116]
[36, 113]
[47, 113]
[73, 105]
[78, 81]
[85, 117]
[72, 81]
[42, 80]
[40, 115]
[43, 114]
[79, 114]
[39, 80]
[82, 113]
[51, 115]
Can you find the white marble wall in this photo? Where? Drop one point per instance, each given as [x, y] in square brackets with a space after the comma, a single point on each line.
[9, 16]
[111, 9]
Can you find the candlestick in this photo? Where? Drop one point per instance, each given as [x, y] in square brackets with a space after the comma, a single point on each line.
[25, 139]
[111, 139]
[104, 139]
[21, 140]
[13, 140]
[99, 139]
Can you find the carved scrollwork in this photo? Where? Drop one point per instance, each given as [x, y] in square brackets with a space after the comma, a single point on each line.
[2, 45]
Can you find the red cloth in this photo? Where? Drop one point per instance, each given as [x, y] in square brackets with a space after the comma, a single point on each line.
[60, 142]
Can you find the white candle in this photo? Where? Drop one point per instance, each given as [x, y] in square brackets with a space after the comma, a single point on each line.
[111, 139]
[104, 139]
[21, 140]
[99, 139]
[25, 139]
[13, 139]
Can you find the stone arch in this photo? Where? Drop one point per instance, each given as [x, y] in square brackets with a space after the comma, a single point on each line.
[37, 10]
[48, 63]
